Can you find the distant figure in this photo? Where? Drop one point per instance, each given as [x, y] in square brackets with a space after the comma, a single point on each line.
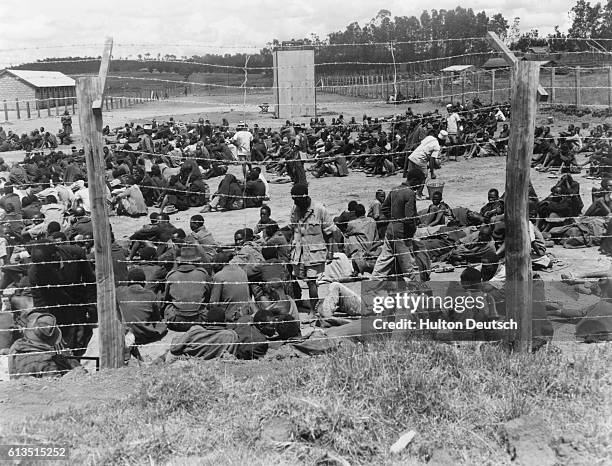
[67, 123]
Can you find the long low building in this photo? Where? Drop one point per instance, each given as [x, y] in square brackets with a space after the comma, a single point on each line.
[42, 88]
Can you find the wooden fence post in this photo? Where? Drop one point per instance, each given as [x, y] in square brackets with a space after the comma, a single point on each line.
[5, 110]
[17, 108]
[73, 102]
[492, 87]
[463, 89]
[56, 103]
[90, 92]
[28, 113]
[37, 108]
[518, 245]
[578, 96]
[111, 102]
[49, 107]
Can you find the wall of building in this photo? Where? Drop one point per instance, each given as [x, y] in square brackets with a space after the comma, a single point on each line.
[294, 83]
[12, 88]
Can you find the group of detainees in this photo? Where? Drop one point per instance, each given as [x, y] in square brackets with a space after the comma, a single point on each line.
[249, 299]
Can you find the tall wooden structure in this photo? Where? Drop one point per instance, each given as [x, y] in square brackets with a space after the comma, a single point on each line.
[294, 83]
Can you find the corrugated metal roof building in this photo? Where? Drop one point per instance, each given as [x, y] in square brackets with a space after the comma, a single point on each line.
[41, 88]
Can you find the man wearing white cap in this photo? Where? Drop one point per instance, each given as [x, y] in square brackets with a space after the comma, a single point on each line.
[427, 153]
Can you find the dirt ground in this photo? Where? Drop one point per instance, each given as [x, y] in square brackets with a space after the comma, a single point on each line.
[466, 184]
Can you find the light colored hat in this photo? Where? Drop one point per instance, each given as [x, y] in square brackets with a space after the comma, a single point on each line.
[443, 134]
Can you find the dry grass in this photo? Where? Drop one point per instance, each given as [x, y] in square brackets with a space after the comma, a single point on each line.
[349, 405]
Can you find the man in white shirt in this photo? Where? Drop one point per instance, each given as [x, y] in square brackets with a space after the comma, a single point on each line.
[453, 121]
[242, 140]
[422, 156]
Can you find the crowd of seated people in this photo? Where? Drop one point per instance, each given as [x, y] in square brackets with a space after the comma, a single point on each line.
[162, 168]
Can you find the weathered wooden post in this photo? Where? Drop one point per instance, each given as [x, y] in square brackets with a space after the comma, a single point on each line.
[90, 92]
[518, 244]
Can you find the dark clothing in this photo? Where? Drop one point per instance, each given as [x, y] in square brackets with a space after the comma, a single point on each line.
[187, 289]
[141, 313]
[230, 292]
[12, 199]
[69, 301]
[400, 208]
[255, 193]
[83, 226]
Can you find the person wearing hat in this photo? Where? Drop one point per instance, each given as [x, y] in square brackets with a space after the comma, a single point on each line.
[427, 154]
[81, 224]
[40, 352]
[139, 308]
[313, 227]
[186, 292]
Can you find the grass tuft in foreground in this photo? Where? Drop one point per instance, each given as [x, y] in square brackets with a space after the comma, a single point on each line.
[349, 405]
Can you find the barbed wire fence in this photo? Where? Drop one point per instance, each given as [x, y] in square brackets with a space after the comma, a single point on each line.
[244, 88]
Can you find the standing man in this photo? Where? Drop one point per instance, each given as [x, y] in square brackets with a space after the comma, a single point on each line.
[66, 120]
[242, 140]
[400, 208]
[427, 154]
[453, 121]
[312, 226]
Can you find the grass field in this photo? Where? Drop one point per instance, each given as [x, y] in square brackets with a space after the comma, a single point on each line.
[344, 408]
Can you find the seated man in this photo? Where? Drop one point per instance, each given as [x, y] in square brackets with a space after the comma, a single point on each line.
[155, 274]
[602, 200]
[264, 220]
[187, 290]
[202, 237]
[494, 207]
[254, 191]
[139, 309]
[360, 235]
[248, 252]
[437, 213]
[40, 352]
[229, 294]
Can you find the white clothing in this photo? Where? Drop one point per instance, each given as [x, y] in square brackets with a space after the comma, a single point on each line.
[429, 148]
[242, 140]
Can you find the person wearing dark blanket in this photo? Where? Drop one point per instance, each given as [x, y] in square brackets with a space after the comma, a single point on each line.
[40, 352]
[139, 309]
[72, 287]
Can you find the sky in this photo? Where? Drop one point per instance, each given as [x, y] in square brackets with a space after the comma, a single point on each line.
[32, 29]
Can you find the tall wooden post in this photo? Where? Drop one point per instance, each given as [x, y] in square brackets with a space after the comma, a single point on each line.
[37, 108]
[90, 92]
[463, 89]
[492, 87]
[609, 86]
[73, 101]
[28, 113]
[49, 107]
[5, 110]
[17, 109]
[518, 245]
[552, 84]
[578, 96]
[56, 103]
